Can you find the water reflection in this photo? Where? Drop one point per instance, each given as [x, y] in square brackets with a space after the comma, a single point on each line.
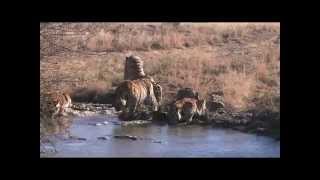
[190, 141]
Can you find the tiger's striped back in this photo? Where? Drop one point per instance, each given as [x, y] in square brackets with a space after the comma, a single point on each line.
[134, 70]
[132, 94]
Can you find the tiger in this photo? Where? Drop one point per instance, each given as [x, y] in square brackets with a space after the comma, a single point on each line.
[62, 102]
[53, 108]
[131, 94]
[187, 110]
[133, 68]
[57, 103]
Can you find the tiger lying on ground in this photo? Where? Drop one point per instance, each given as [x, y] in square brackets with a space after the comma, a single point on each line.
[132, 94]
[187, 110]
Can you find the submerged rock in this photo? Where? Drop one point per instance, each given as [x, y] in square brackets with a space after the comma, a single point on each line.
[83, 109]
[126, 137]
[103, 138]
[76, 138]
[98, 124]
[136, 122]
[47, 148]
[156, 141]
[81, 139]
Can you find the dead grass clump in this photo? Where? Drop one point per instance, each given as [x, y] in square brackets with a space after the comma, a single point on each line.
[84, 37]
[96, 92]
[100, 42]
[237, 88]
[240, 59]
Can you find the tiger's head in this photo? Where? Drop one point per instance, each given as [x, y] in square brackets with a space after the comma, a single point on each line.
[133, 68]
[182, 110]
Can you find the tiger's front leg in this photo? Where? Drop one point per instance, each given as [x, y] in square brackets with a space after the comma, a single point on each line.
[133, 105]
[189, 119]
[154, 103]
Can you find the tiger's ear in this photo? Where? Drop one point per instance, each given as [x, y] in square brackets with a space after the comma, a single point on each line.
[128, 55]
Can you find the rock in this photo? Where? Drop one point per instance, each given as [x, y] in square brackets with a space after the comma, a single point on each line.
[143, 115]
[126, 137]
[242, 115]
[215, 102]
[159, 116]
[260, 129]
[81, 139]
[99, 108]
[239, 128]
[116, 123]
[44, 148]
[187, 93]
[103, 138]
[77, 138]
[108, 112]
[136, 122]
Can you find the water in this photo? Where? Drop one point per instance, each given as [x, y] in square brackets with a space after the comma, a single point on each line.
[185, 141]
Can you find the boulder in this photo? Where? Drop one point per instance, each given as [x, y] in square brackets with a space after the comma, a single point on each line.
[187, 93]
[215, 103]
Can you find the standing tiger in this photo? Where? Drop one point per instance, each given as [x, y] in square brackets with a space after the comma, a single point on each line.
[137, 90]
[134, 70]
[132, 94]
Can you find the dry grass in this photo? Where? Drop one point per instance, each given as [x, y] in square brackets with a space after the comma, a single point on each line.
[242, 60]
